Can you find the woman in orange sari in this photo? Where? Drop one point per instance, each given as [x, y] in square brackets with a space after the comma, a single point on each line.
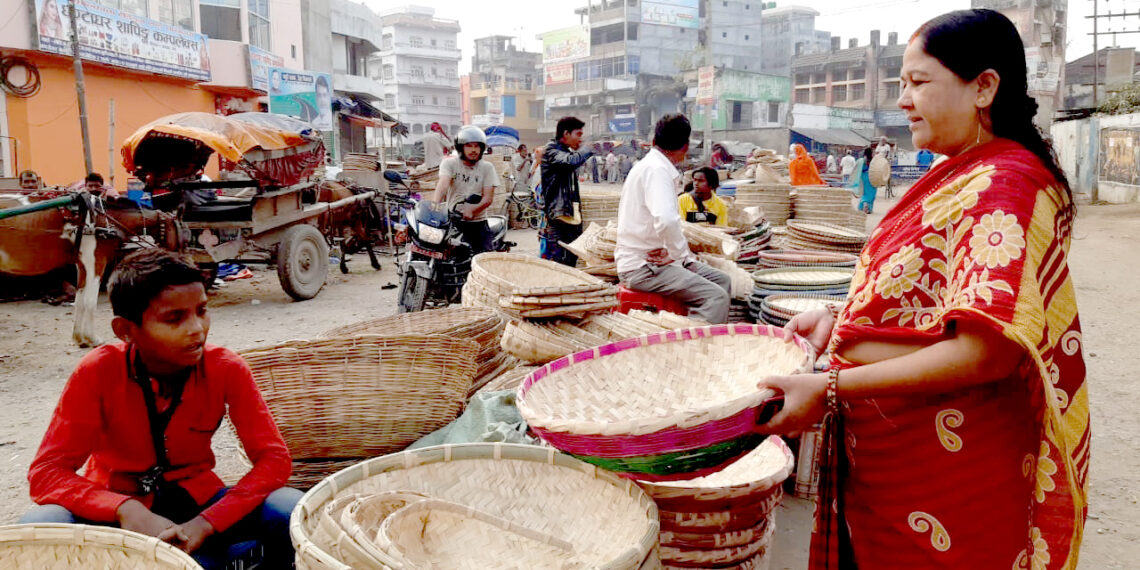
[802, 168]
[955, 411]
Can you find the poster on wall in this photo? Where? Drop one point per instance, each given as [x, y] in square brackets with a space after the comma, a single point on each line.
[1120, 156]
[306, 95]
[706, 82]
[119, 38]
[566, 44]
[679, 13]
[260, 62]
[559, 73]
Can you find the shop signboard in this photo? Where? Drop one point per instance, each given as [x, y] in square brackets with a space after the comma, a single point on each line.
[306, 95]
[559, 73]
[706, 78]
[260, 62]
[623, 125]
[115, 37]
[566, 44]
[679, 13]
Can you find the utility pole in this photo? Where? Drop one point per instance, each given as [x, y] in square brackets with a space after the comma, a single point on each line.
[707, 155]
[1096, 54]
[79, 91]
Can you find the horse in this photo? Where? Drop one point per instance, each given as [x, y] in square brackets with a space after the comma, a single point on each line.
[89, 237]
[351, 224]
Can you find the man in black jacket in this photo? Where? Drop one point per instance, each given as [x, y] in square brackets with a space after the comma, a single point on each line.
[561, 201]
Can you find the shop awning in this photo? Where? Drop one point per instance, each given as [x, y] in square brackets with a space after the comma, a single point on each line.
[833, 136]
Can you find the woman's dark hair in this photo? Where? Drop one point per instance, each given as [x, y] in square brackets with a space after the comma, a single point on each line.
[672, 132]
[142, 276]
[867, 154]
[968, 42]
[711, 176]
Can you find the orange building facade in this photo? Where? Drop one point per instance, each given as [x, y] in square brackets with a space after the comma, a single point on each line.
[47, 129]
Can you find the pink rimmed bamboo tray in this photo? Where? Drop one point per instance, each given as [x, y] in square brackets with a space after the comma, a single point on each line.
[664, 406]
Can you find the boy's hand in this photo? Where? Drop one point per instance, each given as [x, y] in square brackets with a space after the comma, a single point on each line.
[190, 535]
[134, 516]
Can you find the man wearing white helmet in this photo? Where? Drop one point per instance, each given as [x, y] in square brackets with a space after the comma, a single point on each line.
[465, 175]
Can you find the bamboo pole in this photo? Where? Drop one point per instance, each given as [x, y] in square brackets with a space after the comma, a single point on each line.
[111, 148]
[36, 207]
[79, 90]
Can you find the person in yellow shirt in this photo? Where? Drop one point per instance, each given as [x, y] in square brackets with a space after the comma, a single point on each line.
[702, 204]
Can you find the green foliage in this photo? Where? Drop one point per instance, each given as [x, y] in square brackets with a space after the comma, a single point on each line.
[1122, 102]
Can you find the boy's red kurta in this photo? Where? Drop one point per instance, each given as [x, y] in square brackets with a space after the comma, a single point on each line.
[101, 422]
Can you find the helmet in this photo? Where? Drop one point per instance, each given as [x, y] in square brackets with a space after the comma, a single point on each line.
[470, 134]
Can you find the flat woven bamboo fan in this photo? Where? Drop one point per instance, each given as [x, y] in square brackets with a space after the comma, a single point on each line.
[608, 522]
[825, 232]
[671, 405]
[821, 277]
[50, 546]
[789, 306]
[756, 474]
[792, 258]
[362, 396]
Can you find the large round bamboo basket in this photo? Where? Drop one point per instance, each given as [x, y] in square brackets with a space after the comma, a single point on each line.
[346, 398]
[607, 521]
[52, 546]
[665, 406]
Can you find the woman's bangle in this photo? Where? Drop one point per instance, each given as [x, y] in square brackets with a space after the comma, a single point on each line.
[833, 389]
[833, 308]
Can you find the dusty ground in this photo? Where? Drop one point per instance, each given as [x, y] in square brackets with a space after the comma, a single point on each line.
[36, 355]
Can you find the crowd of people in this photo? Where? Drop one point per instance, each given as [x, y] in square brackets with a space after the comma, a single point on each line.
[954, 406]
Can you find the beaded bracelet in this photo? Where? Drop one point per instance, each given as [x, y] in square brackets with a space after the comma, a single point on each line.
[834, 310]
[833, 389]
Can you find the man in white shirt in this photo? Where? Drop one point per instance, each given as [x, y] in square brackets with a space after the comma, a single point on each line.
[832, 164]
[466, 175]
[520, 167]
[437, 146]
[846, 167]
[611, 168]
[884, 148]
[652, 253]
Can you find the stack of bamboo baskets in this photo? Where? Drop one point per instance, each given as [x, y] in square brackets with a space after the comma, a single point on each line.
[826, 204]
[774, 199]
[541, 341]
[528, 287]
[599, 206]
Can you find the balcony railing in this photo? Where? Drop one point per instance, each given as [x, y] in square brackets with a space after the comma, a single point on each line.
[425, 51]
[427, 80]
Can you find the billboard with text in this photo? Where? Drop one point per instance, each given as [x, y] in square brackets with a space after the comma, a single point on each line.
[679, 13]
[566, 44]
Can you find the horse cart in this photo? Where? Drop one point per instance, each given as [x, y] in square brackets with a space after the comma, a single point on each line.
[277, 213]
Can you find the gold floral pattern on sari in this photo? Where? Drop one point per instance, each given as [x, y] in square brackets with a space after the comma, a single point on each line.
[1046, 469]
[998, 239]
[925, 522]
[945, 420]
[959, 272]
[1038, 559]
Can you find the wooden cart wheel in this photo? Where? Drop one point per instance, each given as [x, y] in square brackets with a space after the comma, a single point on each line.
[302, 262]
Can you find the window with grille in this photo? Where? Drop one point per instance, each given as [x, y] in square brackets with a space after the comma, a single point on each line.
[417, 99]
[893, 90]
[858, 91]
[259, 24]
[839, 93]
[416, 41]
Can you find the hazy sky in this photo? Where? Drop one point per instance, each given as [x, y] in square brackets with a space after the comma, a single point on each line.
[526, 19]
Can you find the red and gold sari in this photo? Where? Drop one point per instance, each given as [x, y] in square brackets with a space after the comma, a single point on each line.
[992, 476]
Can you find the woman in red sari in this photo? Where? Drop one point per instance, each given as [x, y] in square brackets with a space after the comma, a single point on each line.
[955, 411]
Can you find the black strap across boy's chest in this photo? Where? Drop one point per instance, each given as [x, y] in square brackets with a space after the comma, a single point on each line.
[157, 421]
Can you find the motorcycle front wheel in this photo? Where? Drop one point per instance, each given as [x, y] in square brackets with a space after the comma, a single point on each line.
[413, 292]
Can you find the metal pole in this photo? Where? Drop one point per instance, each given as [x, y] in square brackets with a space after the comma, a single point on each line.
[79, 92]
[111, 148]
[1096, 55]
[706, 156]
[37, 207]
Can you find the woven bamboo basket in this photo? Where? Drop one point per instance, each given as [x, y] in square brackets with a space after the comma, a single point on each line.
[607, 521]
[736, 519]
[52, 546]
[747, 481]
[363, 396]
[671, 405]
[721, 559]
[509, 380]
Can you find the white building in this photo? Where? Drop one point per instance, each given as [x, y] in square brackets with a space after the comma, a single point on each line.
[787, 32]
[418, 65]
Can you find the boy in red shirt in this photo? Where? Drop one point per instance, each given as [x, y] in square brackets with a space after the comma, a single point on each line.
[139, 417]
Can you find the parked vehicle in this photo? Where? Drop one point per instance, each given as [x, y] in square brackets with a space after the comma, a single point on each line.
[438, 258]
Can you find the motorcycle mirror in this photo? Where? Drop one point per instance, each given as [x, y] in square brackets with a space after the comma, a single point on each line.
[394, 177]
[474, 199]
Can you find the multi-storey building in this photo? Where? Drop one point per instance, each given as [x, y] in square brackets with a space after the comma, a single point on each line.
[418, 64]
[788, 32]
[503, 87]
[1041, 24]
[847, 96]
[636, 50]
[207, 55]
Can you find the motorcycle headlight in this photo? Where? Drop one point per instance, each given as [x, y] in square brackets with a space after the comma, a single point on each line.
[430, 234]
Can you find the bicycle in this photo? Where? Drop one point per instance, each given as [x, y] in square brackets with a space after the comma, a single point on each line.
[520, 207]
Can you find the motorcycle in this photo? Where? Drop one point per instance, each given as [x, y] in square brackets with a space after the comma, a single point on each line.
[438, 259]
